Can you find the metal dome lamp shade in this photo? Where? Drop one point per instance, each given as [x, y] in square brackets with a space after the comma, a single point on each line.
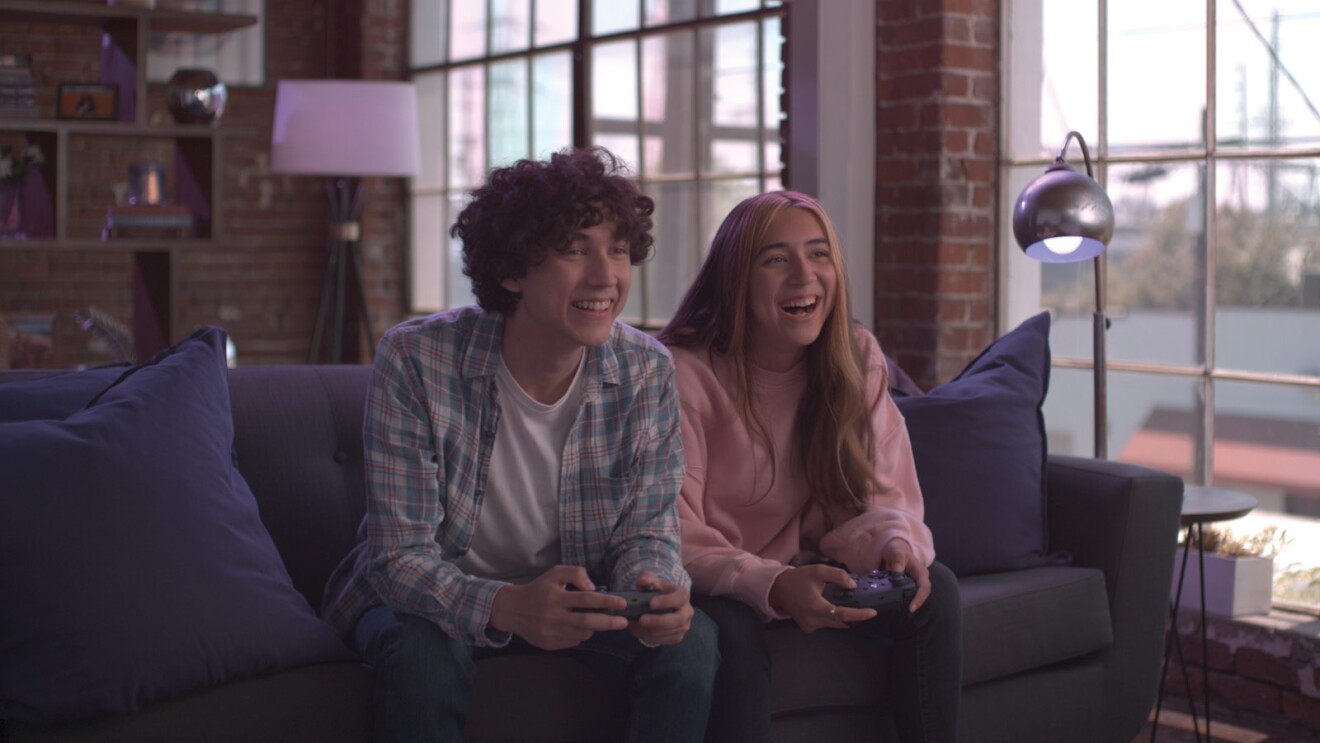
[1064, 217]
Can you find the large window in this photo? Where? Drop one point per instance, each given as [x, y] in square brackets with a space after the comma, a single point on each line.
[1203, 119]
[687, 92]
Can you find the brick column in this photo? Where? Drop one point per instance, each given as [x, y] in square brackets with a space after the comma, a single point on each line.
[937, 128]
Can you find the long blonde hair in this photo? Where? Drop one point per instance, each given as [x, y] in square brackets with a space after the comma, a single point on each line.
[833, 438]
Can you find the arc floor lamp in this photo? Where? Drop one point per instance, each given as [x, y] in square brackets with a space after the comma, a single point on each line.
[344, 130]
[1063, 216]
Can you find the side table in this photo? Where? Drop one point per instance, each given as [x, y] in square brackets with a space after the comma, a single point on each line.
[1201, 505]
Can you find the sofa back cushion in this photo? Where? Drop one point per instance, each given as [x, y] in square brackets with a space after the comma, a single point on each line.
[298, 441]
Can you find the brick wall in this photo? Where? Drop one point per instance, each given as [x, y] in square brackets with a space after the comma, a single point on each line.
[262, 286]
[1257, 673]
[936, 144]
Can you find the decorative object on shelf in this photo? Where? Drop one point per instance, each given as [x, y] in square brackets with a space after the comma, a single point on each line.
[15, 164]
[97, 101]
[18, 96]
[344, 129]
[146, 184]
[1239, 570]
[196, 96]
[113, 336]
[1065, 217]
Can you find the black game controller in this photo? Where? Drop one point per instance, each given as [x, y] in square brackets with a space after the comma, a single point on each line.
[878, 589]
[639, 603]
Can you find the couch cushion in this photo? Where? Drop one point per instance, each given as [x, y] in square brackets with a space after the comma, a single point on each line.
[1033, 618]
[133, 564]
[979, 446]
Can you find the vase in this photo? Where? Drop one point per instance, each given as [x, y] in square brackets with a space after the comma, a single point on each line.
[11, 211]
[195, 96]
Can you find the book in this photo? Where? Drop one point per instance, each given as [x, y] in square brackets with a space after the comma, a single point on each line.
[147, 220]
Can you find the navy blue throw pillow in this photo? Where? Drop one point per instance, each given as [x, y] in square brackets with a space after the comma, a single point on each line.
[134, 566]
[979, 445]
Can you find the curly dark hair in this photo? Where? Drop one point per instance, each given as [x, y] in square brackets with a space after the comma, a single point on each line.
[533, 206]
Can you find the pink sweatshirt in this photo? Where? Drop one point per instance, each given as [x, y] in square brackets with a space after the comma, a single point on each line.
[742, 526]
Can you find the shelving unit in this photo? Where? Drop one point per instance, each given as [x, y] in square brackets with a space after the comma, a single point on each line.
[198, 151]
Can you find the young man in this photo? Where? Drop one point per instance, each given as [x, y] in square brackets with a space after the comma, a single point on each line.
[519, 455]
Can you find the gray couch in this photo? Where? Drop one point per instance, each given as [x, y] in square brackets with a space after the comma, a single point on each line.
[1051, 654]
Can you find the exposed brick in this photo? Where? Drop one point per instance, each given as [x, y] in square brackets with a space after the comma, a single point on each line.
[1303, 710]
[1254, 664]
[1244, 694]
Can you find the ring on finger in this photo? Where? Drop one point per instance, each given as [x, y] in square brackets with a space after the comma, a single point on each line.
[834, 610]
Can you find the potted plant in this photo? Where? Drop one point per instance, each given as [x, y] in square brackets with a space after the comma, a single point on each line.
[1239, 571]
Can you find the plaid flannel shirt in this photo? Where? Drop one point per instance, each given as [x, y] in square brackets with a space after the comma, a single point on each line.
[431, 417]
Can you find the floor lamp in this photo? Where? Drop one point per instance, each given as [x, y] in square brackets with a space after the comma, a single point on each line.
[1065, 217]
[344, 130]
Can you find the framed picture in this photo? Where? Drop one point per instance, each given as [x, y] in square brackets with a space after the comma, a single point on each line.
[238, 58]
[87, 101]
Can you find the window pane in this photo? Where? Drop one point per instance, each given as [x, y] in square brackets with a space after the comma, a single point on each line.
[612, 16]
[1153, 420]
[556, 21]
[510, 25]
[667, 96]
[1268, 81]
[460, 287]
[734, 111]
[426, 270]
[509, 138]
[431, 119]
[1265, 255]
[772, 84]
[467, 34]
[552, 103]
[1267, 443]
[1052, 76]
[1145, 116]
[659, 12]
[614, 99]
[427, 27]
[467, 135]
[718, 199]
[725, 7]
[678, 248]
[1155, 289]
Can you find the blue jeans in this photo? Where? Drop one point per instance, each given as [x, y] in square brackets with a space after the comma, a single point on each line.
[923, 668]
[423, 683]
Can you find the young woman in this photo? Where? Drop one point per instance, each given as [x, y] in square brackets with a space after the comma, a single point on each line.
[798, 461]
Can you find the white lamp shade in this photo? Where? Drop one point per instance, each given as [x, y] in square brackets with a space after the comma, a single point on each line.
[345, 128]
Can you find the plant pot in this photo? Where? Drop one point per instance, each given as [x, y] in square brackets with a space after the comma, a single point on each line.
[1234, 586]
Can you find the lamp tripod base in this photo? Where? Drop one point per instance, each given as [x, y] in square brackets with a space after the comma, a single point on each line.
[345, 198]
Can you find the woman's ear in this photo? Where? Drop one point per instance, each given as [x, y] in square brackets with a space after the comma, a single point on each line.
[513, 286]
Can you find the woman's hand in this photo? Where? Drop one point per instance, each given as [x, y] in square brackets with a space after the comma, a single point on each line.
[797, 592]
[896, 556]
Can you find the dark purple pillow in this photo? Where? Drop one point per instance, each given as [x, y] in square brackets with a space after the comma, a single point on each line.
[979, 446]
[133, 564]
[54, 396]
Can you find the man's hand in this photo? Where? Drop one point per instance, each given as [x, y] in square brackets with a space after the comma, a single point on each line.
[896, 556]
[663, 629]
[543, 612]
[797, 593]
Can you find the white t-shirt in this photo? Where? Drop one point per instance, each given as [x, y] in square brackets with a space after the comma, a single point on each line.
[517, 536]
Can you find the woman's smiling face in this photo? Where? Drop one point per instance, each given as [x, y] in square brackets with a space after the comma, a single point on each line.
[791, 290]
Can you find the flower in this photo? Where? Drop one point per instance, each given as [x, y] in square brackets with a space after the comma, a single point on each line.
[15, 162]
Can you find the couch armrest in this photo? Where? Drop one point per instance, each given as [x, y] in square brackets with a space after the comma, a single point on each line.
[1122, 519]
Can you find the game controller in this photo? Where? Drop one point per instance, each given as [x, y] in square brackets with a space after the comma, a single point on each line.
[878, 589]
[639, 603]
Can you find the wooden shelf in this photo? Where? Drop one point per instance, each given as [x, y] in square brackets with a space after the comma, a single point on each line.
[120, 245]
[120, 129]
[197, 170]
[161, 19]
